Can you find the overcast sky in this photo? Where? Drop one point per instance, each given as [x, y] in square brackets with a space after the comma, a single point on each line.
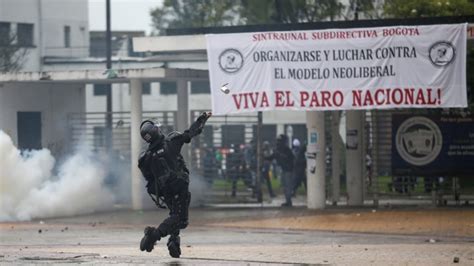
[125, 14]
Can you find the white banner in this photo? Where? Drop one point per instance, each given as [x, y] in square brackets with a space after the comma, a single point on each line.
[363, 68]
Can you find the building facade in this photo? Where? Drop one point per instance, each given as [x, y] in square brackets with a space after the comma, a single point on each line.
[34, 115]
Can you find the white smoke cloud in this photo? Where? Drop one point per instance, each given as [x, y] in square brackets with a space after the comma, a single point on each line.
[29, 189]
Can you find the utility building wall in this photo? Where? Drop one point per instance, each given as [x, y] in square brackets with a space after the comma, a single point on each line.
[36, 114]
[65, 26]
[47, 28]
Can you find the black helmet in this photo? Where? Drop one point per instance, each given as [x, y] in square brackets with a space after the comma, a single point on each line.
[150, 131]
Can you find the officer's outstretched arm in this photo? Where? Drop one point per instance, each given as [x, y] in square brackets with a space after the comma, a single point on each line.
[196, 128]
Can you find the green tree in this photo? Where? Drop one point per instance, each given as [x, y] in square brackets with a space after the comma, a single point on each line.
[209, 13]
[428, 8]
[366, 9]
[257, 12]
[193, 13]
[289, 11]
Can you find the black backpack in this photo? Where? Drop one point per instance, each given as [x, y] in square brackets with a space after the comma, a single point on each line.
[156, 172]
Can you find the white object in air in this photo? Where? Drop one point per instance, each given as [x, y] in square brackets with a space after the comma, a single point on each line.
[225, 89]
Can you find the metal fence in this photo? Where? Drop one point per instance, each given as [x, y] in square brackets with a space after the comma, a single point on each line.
[224, 136]
[90, 129]
[214, 152]
[381, 183]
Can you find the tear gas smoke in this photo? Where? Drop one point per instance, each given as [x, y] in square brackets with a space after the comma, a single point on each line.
[29, 189]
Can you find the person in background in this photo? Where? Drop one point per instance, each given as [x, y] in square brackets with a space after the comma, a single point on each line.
[285, 159]
[266, 152]
[236, 168]
[209, 165]
[300, 165]
[250, 155]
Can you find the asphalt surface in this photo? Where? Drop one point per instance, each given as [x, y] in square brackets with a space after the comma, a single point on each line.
[251, 236]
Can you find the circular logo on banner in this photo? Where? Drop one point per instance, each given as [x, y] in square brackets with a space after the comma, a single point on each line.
[231, 61]
[418, 140]
[442, 53]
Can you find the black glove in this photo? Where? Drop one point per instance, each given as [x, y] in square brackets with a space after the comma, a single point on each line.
[196, 127]
[204, 116]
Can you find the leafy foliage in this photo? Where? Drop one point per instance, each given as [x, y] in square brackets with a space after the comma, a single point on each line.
[368, 9]
[289, 11]
[208, 13]
[193, 13]
[428, 8]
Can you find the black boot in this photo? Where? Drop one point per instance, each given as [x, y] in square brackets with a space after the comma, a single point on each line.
[173, 246]
[149, 239]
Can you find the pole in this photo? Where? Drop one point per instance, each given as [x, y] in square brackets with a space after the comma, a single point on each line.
[108, 40]
[315, 158]
[135, 141]
[375, 157]
[354, 157]
[182, 115]
[336, 157]
[354, 150]
[40, 35]
[108, 36]
[258, 177]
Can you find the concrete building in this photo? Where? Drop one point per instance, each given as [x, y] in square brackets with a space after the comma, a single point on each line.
[34, 115]
[47, 28]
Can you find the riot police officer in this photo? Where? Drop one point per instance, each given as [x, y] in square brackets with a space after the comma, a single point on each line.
[164, 169]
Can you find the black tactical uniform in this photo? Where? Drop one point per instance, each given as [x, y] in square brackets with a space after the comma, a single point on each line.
[167, 178]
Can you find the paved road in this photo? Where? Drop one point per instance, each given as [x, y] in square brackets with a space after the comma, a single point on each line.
[239, 237]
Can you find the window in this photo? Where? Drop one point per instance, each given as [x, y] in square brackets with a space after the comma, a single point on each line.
[168, 87]
[29, 130]
[67, 36]
[200, 87]
[4, 33]
[101, 89]
[25, 34]
[146, 88]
